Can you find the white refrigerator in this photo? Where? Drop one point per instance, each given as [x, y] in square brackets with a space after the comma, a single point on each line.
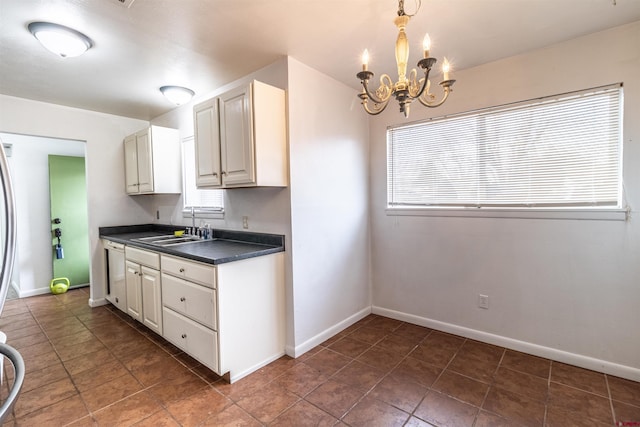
[7, 254]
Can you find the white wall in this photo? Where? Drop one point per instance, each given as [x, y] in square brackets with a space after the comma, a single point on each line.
[323, 214]
[329, 154]
[29, 166]
[564, 289]
[107, 202]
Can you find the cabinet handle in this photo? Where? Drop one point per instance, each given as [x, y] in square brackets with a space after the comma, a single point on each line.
[214, 174]
[184, 335]
[182, 299]
[223, 173]
[117, 300]
[182, 270]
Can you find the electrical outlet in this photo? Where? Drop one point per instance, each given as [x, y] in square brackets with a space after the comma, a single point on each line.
[245, 222]
[483, 301]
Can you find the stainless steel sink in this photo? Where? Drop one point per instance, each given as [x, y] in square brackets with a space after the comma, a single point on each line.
[171, 240]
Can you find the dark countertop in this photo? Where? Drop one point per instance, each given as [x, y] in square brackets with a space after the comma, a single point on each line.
[228, 245]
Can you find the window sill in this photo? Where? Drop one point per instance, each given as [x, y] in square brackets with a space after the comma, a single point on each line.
[203, 213]
[573, 214]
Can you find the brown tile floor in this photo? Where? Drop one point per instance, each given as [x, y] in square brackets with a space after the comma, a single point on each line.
[96, 367]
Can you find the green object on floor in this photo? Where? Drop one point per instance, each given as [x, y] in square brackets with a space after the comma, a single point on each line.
[59, 285]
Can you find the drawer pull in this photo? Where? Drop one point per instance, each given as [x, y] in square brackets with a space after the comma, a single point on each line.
[184, 335]
[182, 270]
[117, 300]
[182, 299]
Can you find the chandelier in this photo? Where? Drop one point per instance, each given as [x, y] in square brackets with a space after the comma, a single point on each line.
[406, 89]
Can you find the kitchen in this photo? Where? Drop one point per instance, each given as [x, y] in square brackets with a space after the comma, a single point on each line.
[334, 280]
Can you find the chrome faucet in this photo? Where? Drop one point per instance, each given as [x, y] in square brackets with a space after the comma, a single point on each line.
[193, 220]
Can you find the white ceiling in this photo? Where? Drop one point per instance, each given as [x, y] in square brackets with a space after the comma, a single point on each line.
[204, 44]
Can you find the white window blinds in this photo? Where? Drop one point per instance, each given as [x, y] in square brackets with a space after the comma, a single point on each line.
[202, 200]
[563, 151]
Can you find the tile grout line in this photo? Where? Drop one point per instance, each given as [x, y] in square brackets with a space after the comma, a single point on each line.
[613, 411]
[340, 419]
[38, 322]
[486, 394]
[91, 413]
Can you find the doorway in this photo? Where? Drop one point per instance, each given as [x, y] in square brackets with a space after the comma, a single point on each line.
[70, 224]
[29, 166]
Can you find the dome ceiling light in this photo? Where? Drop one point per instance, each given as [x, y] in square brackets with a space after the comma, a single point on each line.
[177, 94]
[63, 41]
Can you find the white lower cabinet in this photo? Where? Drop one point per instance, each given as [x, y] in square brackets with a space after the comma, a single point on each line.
[151, 299]
[190, 299]
[133, 282]
[190, 308]
[144, 289]
[196, 340]
[230, 317]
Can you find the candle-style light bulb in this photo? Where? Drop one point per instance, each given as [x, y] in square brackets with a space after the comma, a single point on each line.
[365, 60]
[446, 67]
[426, 45]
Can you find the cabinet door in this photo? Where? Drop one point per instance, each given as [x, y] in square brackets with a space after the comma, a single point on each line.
[236, 137]
[207, 144]
[145, 161]
[131, 165]
[134, 290]
[151, 299]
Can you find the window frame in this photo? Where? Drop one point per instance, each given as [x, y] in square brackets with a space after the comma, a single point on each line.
[619, 213]
[200, 211]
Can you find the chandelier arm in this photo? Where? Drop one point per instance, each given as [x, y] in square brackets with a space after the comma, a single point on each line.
[377, 108]
[367, 92]
[425, 83]
[447, 84]
[386, 88]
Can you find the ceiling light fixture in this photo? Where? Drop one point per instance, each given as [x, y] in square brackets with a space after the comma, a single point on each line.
[405, 90]
[63, 41]
[177, 94]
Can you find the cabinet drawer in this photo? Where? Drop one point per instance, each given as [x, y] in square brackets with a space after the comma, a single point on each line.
[150, 259]
[199, 342]
[194, 301]
[196, 272]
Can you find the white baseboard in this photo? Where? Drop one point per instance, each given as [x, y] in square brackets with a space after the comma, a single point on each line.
[33, 292]
[41, 291]
[98, 302]
[582, 361]
[299, 350]
[257, 366]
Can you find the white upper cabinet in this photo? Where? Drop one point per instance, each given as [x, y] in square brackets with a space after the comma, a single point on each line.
[240, 138]
[152, 162]
[207, 143]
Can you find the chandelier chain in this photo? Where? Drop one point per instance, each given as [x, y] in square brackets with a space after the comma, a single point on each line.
[401, 11]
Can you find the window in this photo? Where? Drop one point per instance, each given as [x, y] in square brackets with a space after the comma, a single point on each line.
[557, 152]
[206, 203]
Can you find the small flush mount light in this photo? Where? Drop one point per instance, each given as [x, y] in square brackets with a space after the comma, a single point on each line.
[63, 41]
[177, 94]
